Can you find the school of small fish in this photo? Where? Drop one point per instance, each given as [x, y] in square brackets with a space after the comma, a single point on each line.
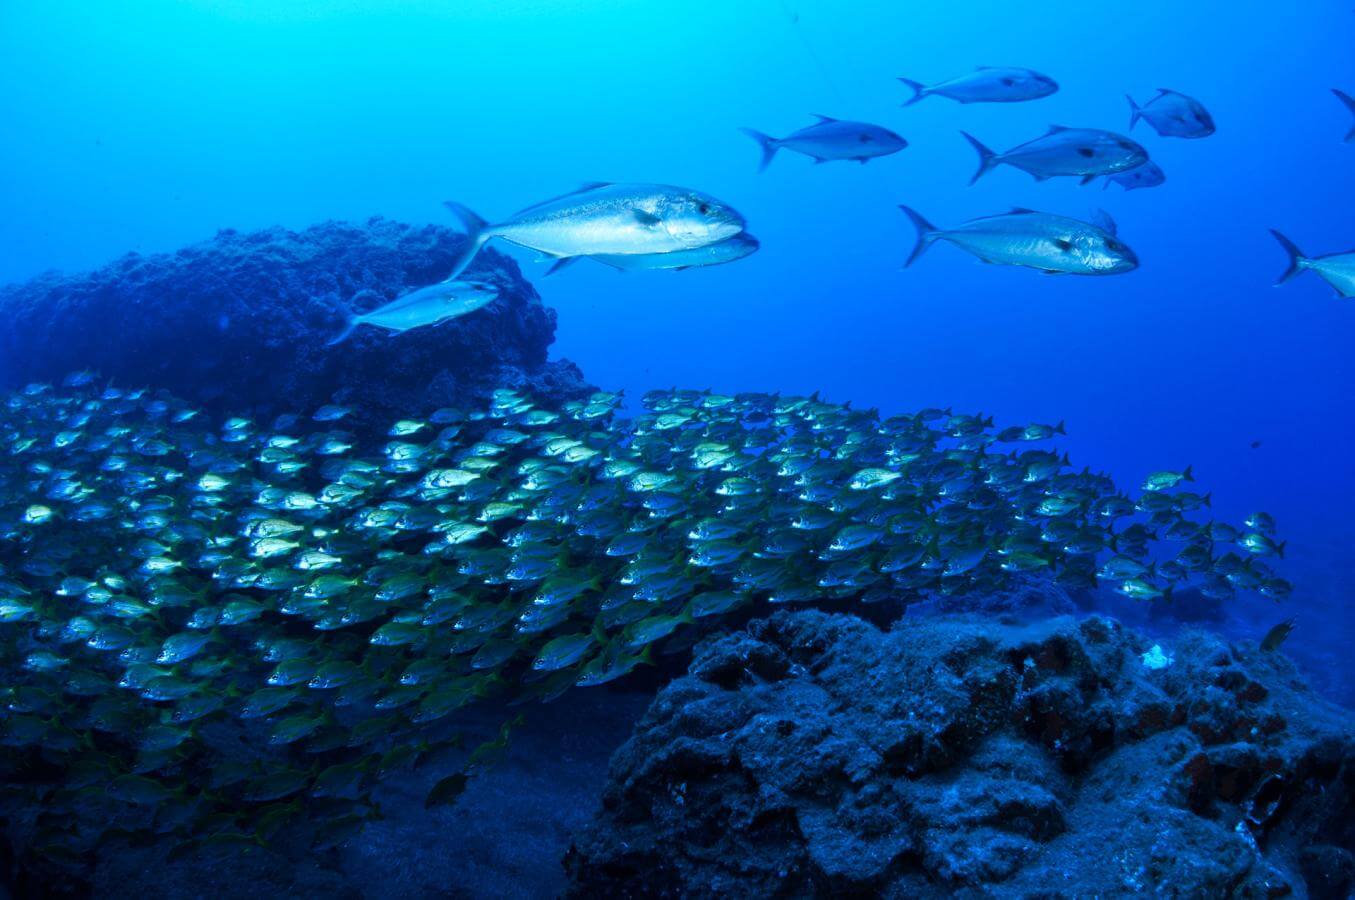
[215, 631]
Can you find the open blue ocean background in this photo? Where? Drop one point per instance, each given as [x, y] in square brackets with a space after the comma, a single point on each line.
[148, 125]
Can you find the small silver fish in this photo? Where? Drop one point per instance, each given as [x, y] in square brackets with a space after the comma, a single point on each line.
[987, 84]
[1023, 237]
[1337, 269]
[831, 139]
[1085, 152]
[424, 306]
[604, 218]
[1173, 114]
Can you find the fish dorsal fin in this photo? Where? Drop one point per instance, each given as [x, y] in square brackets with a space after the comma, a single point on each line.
[1055, 129]
[1019, 211]
[1102, 219]
[1161, 91]
[822, 118]
[581, 189]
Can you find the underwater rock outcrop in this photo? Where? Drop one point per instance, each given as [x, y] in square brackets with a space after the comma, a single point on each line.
[243, 321]
[814, 755]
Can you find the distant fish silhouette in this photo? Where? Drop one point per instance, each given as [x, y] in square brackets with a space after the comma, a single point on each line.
[1173, 114]
[1350, 105]
[831, 139]
[1148, 175]
[987, 84]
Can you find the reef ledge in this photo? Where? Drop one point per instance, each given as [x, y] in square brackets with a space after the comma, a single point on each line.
[243, 322]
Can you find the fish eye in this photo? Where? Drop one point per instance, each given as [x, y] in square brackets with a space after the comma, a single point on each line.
[1125, 145]
[703, 208]
[1087, 152]
[1009, 81]
[1114, 245]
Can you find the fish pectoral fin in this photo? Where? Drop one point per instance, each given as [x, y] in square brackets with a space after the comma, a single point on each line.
[647, 219]
[562, 262]
[1064, 245]
[1087, 179]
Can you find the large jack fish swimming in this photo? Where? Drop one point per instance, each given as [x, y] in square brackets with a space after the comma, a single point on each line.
[604, 219]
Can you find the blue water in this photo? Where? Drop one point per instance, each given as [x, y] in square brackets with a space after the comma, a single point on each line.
[152, 124]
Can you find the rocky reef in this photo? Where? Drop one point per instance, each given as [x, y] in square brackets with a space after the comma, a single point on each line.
[814, 755]
[243, 321]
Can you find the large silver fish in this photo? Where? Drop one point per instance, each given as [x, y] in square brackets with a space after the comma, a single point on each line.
[1023, 237]
[1173, 114]
[424, 306]
[726, 251]
[1085, 152]
[606, 218]
[987, 84]
[1349, 101]
[831, 139]
[1337, 269]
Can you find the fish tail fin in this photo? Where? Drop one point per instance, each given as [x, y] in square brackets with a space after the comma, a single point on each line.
[927, 233]
[768, 144]
[1296, 257]
[987, 158]
[477, 232]
[1135, 113]
[1349, 101]
[919, 91]
[350, 324]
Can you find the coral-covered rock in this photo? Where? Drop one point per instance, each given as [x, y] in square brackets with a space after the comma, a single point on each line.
[815, 755]
[244, 321]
